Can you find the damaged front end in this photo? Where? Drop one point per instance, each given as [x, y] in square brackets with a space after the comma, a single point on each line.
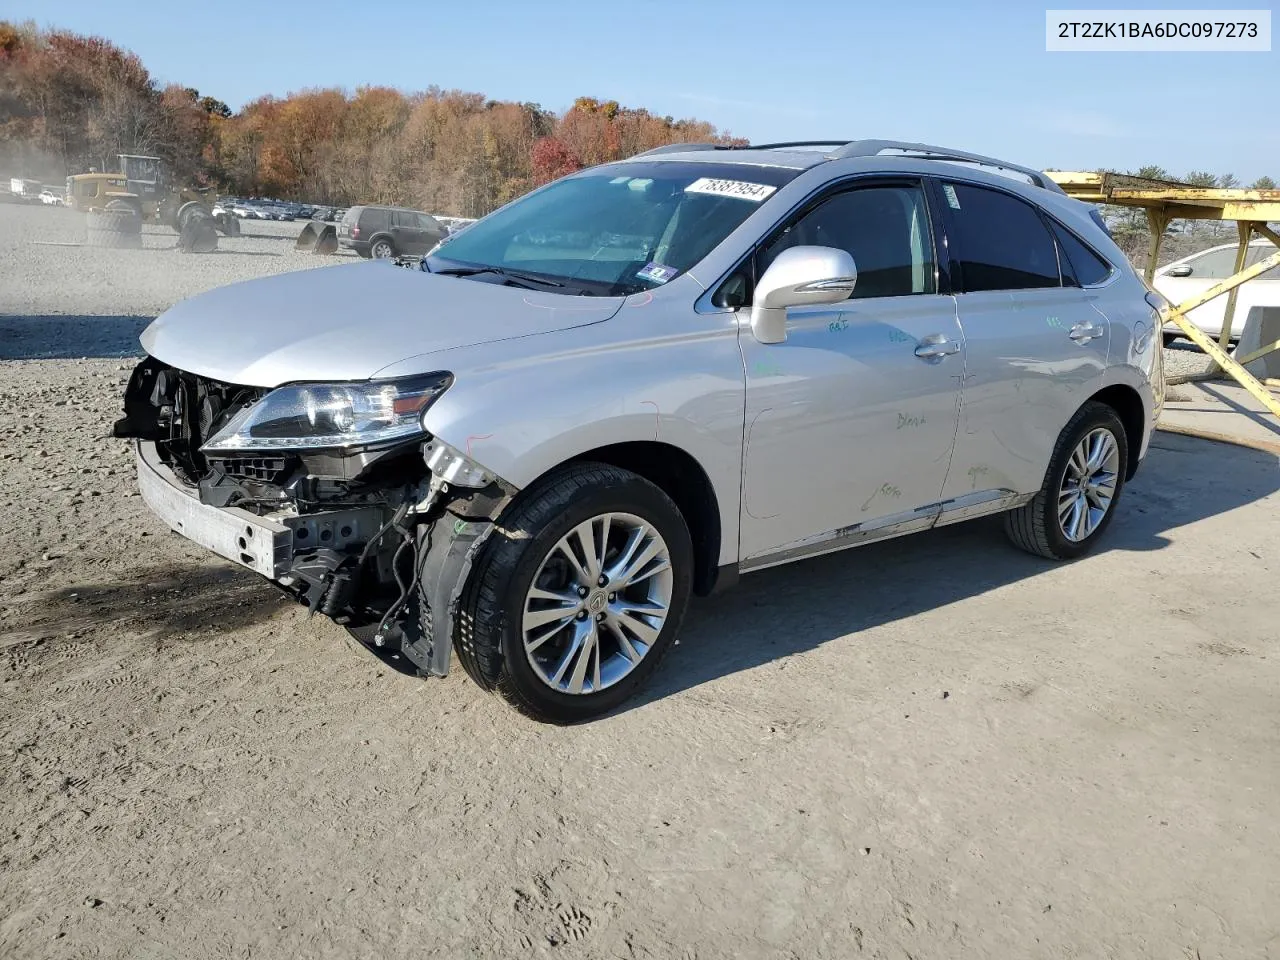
[334, 492]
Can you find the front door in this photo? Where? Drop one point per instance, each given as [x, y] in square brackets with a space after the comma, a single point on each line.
[850, 422]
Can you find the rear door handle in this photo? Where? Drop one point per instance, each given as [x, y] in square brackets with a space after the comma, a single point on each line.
[1084, 332]
[936, 347]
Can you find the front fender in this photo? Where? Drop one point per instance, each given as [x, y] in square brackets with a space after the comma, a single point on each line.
[522, 417]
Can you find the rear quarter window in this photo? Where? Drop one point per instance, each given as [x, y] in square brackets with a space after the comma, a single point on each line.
[1081, 263]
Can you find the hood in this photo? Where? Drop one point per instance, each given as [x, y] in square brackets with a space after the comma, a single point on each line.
[349, 321]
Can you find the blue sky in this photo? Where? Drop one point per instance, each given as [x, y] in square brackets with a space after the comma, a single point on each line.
[976, 78]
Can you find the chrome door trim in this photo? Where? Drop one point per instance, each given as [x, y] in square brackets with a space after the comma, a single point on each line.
[841, 538]
[979, 503]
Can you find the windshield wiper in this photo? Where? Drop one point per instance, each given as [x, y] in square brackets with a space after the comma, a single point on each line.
[500, 271]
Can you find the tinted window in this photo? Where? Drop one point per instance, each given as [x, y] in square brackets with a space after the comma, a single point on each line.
[1002, 242]
[1079, 263]
[885, 229]
[375, 219]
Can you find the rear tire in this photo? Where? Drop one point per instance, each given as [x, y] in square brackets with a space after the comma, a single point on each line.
[1170, 337]
[198, 234]
[382, 250]
[114, 228]
[1060, 522]
[188, 210]
[499, 648]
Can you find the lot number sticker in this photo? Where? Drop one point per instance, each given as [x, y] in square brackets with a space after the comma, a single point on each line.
[755, 192]
[656, 272]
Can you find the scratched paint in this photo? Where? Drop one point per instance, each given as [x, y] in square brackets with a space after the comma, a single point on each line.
[884, 490]
[657, 419]
[477, 436]
[839, 325]
[898, 336]
[974, 473]
[908, 421]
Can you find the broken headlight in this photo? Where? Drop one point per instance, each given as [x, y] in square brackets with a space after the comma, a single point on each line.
[314, 415]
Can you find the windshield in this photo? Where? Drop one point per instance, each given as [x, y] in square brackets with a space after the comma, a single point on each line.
[616, 230]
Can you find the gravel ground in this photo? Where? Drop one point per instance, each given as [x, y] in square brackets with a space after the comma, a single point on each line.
[935, 747]
[60, 299]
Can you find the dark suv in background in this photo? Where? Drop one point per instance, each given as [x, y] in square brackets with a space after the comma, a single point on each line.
[383, 232]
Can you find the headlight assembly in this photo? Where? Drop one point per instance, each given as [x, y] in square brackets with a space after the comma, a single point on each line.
[315, 415]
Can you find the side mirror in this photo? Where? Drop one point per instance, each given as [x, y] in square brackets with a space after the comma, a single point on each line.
[1181, 270]
[798, 277]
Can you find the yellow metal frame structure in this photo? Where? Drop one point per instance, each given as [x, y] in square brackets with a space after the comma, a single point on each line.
[1166, 200]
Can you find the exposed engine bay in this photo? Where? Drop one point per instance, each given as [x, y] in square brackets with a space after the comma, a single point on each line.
[378, 537]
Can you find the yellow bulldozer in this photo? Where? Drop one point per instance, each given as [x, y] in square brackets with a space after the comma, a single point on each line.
[144, 187]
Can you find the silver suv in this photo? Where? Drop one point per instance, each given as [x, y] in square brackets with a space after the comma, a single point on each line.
[642, 380]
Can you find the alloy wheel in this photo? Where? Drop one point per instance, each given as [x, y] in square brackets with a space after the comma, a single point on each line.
[597, 603]
[1088, 484]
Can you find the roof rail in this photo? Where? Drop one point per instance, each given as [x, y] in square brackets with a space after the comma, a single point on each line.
[678, 148]
[871, 148]
[791, 143]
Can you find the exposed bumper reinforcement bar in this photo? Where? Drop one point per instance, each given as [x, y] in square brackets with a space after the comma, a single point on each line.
[264, 546]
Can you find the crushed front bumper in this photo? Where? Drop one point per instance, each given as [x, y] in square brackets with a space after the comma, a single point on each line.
[265, 544]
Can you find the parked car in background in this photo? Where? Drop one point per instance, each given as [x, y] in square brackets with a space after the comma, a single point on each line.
[49, 198]
[382, 232]
[534, 448]
[1193, 275]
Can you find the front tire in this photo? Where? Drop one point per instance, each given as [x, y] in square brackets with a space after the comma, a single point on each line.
[578, 594]
[1081, 488]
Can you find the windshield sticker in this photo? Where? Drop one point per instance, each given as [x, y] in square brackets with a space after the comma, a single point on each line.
[755, 192]
[656, 272]
[619, 179]
[952, 200]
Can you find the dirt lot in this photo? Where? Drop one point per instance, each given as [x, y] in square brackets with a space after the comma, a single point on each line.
[935, 747]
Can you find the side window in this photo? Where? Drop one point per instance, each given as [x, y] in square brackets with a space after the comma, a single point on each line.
[1259, 252]
[885, 229]
[1002, 241]
[1079, 263]
[1214, 265]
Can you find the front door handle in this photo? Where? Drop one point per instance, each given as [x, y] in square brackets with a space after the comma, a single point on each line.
[1084, 332]
[936, 347]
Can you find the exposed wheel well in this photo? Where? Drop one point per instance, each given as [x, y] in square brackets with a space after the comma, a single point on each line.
[1127, 404]
[682, 479]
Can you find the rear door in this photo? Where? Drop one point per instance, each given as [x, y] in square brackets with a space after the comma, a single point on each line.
[407, 232]
[1035, 344]
[349, 220]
